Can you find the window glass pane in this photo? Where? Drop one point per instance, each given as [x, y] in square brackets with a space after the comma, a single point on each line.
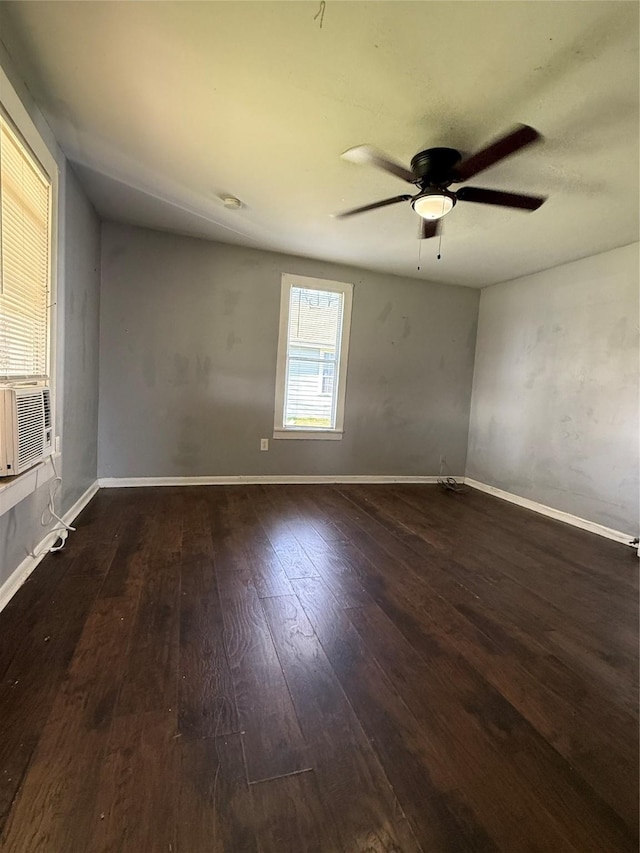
[24, 260]
[328, 377]
[313, 344]
[305, 352]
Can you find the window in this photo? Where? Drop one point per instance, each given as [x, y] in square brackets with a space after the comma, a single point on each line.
[28, 261]
[25, 241]
[315, 316]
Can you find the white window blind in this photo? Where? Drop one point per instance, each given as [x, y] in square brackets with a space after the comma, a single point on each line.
[25, 212]
[312, 356]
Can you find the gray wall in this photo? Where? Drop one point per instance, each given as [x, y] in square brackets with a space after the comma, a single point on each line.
[554, 415]
[78, 296]
[189, 334]
[76, 357]
[81, 344]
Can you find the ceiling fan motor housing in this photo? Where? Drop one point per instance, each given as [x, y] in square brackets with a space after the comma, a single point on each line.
[434, 167]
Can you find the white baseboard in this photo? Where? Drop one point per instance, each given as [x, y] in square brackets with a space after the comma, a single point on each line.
[26, 567]
[558, 514]
[267, 479]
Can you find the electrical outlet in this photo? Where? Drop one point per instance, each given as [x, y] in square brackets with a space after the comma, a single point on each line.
[264, 444]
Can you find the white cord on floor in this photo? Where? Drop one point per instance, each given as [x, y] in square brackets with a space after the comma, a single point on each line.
[62, 528]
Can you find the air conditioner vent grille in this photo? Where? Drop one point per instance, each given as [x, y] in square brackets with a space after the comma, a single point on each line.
[46, 402]
[31, 426]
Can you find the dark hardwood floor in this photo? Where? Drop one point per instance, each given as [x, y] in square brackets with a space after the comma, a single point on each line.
[309, 669]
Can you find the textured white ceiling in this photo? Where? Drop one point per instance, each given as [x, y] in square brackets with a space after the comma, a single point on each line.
[166, 106]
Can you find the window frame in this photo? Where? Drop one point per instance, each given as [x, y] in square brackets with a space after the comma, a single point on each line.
[43, 377]
[15, 489]
[19, 120]
[280, 431]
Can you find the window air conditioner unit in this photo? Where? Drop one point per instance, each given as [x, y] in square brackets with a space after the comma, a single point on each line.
[26, 431]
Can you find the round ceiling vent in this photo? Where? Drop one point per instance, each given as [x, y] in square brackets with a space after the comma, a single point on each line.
[231, 202]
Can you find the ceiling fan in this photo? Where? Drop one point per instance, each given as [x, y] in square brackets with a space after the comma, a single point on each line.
[435, 169]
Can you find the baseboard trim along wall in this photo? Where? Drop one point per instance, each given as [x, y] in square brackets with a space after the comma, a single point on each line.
[557, 514]
[26, 567]
[266, 479]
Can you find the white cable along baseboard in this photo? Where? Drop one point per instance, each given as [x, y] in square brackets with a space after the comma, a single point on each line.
[266, 479]
[557, 514]
[26, 567]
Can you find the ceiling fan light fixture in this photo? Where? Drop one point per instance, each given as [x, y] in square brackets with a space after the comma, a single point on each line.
[433, 204]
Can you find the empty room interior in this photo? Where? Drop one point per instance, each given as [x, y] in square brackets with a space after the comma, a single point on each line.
[319, 426]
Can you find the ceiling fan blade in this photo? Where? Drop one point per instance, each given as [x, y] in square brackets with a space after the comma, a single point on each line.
[429, 228]
[373, 206]
[520, 137]
[366, 154]
[524, 202]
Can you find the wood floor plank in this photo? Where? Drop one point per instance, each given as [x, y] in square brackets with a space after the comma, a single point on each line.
[206, 698]
[421, 773]
[273, 742]
[438, 576]
[351, 780]
[342, 667]
[531, 672]
[604, 762]
[206, 701]
[151, 676]
[485, 519]
[260, 558]
[300, 516]
[214, 807]
[225, 537]
[339, 576]
[551, 580]
[323, 554]
[290, 815]
[292, 556]
[478, 728]
[24, 609]
[127, 569]
[519, 672]
[135, 801]
[302, 497]
[517, 595]
[56, 802]
[596, 556]
[39, 665]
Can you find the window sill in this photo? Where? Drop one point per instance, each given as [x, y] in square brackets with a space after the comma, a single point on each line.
[16, 489]
[303, 434]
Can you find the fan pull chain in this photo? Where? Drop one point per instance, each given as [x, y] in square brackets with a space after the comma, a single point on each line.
[419, 253]
[439, 256]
